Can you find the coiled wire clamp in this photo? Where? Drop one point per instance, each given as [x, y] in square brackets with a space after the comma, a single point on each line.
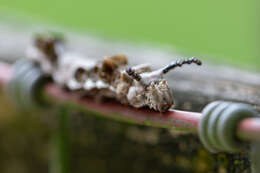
[25, 85]
[217, 129]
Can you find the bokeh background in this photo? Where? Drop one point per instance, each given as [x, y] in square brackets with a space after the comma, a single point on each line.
[221, 31]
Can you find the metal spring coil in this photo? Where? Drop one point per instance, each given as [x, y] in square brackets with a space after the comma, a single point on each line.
[217, 128]
[25, 86]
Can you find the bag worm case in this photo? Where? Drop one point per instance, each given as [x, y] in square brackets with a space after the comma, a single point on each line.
[111, 77]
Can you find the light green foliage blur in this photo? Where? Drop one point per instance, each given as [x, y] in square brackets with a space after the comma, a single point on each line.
[224, 31]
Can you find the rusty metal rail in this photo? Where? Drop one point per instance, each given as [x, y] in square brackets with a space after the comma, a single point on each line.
[248, 129]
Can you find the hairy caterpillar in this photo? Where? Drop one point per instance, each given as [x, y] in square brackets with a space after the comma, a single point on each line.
[137, 86]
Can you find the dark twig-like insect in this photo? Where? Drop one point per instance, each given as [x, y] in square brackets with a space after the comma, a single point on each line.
[137, 86]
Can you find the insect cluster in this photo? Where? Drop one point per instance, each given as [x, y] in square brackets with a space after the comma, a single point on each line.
[111, 77]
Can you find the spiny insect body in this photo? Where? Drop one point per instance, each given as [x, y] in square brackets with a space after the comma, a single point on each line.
[111, 77]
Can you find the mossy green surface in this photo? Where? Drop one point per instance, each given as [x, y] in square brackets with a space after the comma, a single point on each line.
[101, 145]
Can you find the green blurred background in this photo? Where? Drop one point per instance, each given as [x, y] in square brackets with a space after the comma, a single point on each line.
[223, 31]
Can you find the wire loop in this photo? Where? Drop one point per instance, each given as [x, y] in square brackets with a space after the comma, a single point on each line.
[217, 128]
[26, 83]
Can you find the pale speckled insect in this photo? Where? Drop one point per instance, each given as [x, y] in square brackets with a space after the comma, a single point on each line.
[137, 86]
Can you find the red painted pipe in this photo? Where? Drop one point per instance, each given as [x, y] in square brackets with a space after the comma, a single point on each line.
[248, 129]
[5, 73]
[171, 119]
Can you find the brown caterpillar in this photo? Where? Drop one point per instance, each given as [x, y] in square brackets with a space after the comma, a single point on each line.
[137, 86]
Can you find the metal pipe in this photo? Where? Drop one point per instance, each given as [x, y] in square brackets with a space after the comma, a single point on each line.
[172, 119]
[248, 129]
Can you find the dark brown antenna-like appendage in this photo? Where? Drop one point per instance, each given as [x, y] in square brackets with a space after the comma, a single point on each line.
[133, 74]
[179, 63]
